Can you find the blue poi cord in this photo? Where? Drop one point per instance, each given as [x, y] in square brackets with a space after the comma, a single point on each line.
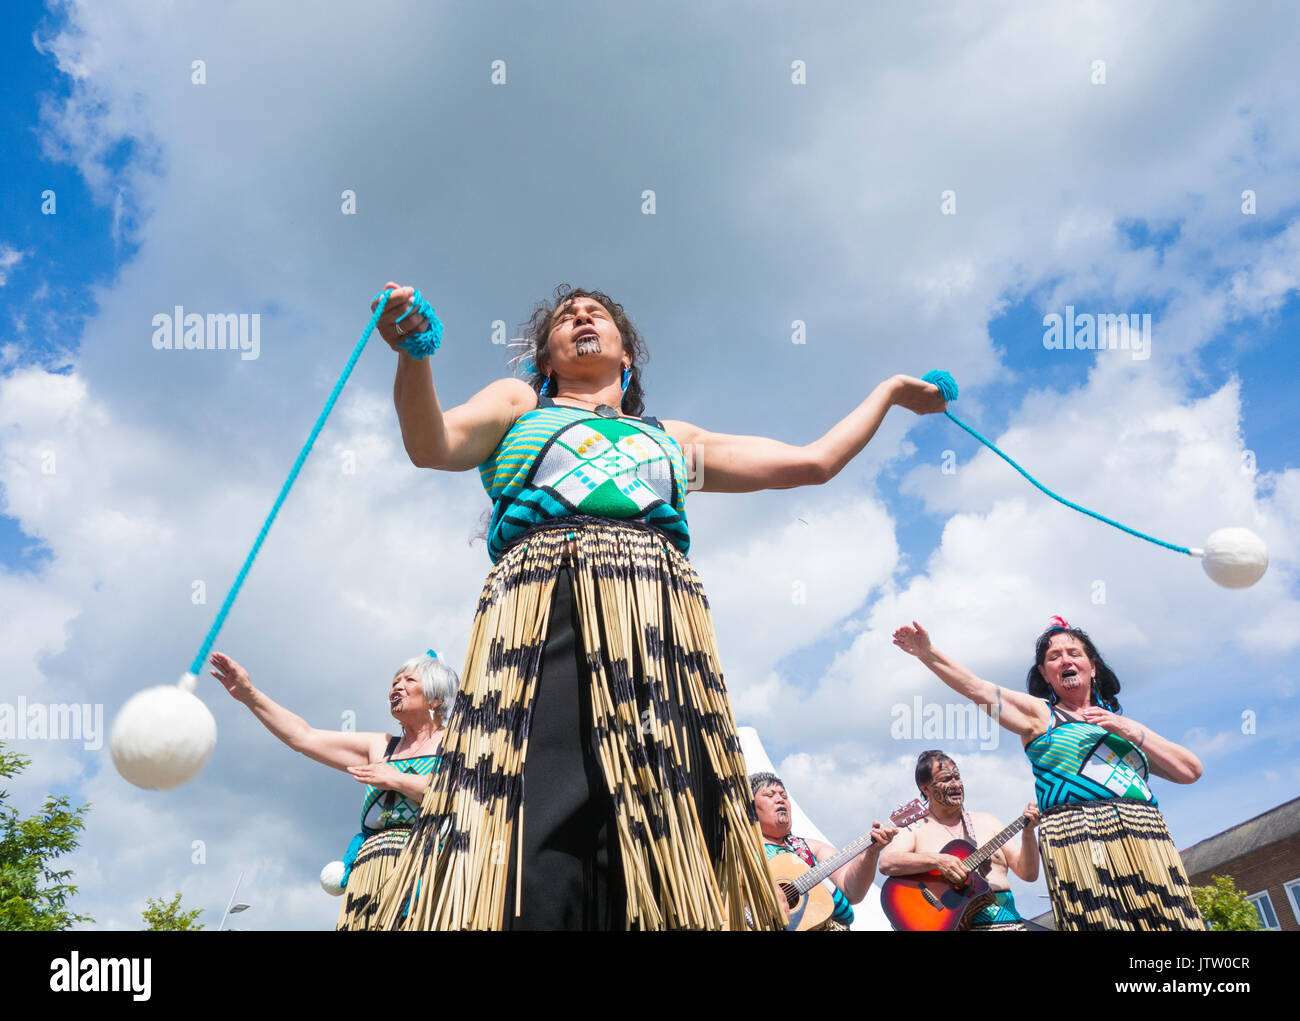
[419, 346]
[948, 387]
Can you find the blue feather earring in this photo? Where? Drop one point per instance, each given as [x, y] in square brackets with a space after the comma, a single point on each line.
[627, 378]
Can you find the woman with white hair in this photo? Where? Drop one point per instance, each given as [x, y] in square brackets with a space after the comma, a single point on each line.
[394, 768]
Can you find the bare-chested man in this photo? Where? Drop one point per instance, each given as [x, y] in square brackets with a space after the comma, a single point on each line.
[918, 849]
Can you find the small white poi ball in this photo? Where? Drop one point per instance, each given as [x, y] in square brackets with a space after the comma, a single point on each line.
[163, 736]
[1234, 557]
[331, 879]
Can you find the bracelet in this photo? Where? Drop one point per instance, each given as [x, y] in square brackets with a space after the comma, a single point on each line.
[1143, 738]
[420, 345]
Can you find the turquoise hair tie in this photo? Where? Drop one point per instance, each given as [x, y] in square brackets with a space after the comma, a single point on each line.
[431, 654]
[948, 388]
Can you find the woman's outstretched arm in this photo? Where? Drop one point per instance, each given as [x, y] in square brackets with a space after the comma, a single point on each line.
[455, 440]
[1017, 711]
[725, 463]
[337, 748]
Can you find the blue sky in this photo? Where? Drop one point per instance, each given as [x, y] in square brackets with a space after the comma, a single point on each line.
[775, 202]
[68, 252]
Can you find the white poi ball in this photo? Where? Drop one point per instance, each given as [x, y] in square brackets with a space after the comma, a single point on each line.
[331, 879]
[1235, 557]
[163, 736]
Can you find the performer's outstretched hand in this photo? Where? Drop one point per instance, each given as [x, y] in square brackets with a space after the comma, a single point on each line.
[398, 302]
[918, 395]
[233, 676]
[882, 835]
[914, 640]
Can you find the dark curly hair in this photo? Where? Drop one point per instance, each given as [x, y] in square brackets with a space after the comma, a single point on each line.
[925, 763]
[1105, 687]
[537, 332]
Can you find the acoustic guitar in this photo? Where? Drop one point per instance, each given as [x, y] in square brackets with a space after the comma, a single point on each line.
[810, 903]
[926, 902]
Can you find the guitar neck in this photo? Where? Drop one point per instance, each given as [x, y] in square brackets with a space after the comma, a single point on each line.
[824, 868]
[976, 859]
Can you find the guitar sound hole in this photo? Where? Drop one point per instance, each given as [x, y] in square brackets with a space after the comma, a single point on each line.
[791, 895]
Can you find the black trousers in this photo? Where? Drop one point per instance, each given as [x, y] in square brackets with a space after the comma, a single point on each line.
[572, 877]
[572, 870]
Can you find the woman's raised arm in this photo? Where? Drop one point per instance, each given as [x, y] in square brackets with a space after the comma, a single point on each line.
[1017, 711]
[337, 748]
[459, 439]
[725, 463]
[469, 432]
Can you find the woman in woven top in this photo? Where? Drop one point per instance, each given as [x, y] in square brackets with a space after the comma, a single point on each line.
[591, 775]
[1107, 855]
[394, 767]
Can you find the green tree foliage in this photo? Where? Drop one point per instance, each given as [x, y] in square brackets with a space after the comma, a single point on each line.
[167, 916]
[33, 896]
[1225, 908]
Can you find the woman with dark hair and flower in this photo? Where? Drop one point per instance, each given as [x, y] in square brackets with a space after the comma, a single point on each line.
[591, 774]
[1108, 858]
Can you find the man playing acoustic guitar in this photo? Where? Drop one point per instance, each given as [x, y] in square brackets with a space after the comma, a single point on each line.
[852, 880]
[919, 848]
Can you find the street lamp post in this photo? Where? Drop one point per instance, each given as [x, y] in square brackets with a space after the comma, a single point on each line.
[231, 907]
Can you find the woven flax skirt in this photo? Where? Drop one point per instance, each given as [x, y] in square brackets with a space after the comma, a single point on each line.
[1112, 865]
[647, 801]
[373, 865]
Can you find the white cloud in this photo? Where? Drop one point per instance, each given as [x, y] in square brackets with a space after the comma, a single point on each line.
[9, 258]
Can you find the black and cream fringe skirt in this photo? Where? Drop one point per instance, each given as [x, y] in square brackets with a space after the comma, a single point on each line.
[373, 865]
[591, 775]
[1112, 865]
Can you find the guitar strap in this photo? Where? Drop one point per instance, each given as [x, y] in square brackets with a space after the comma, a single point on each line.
[969, 827]
[800, 847]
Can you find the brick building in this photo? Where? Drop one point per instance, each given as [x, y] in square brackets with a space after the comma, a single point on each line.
[1262, 855]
